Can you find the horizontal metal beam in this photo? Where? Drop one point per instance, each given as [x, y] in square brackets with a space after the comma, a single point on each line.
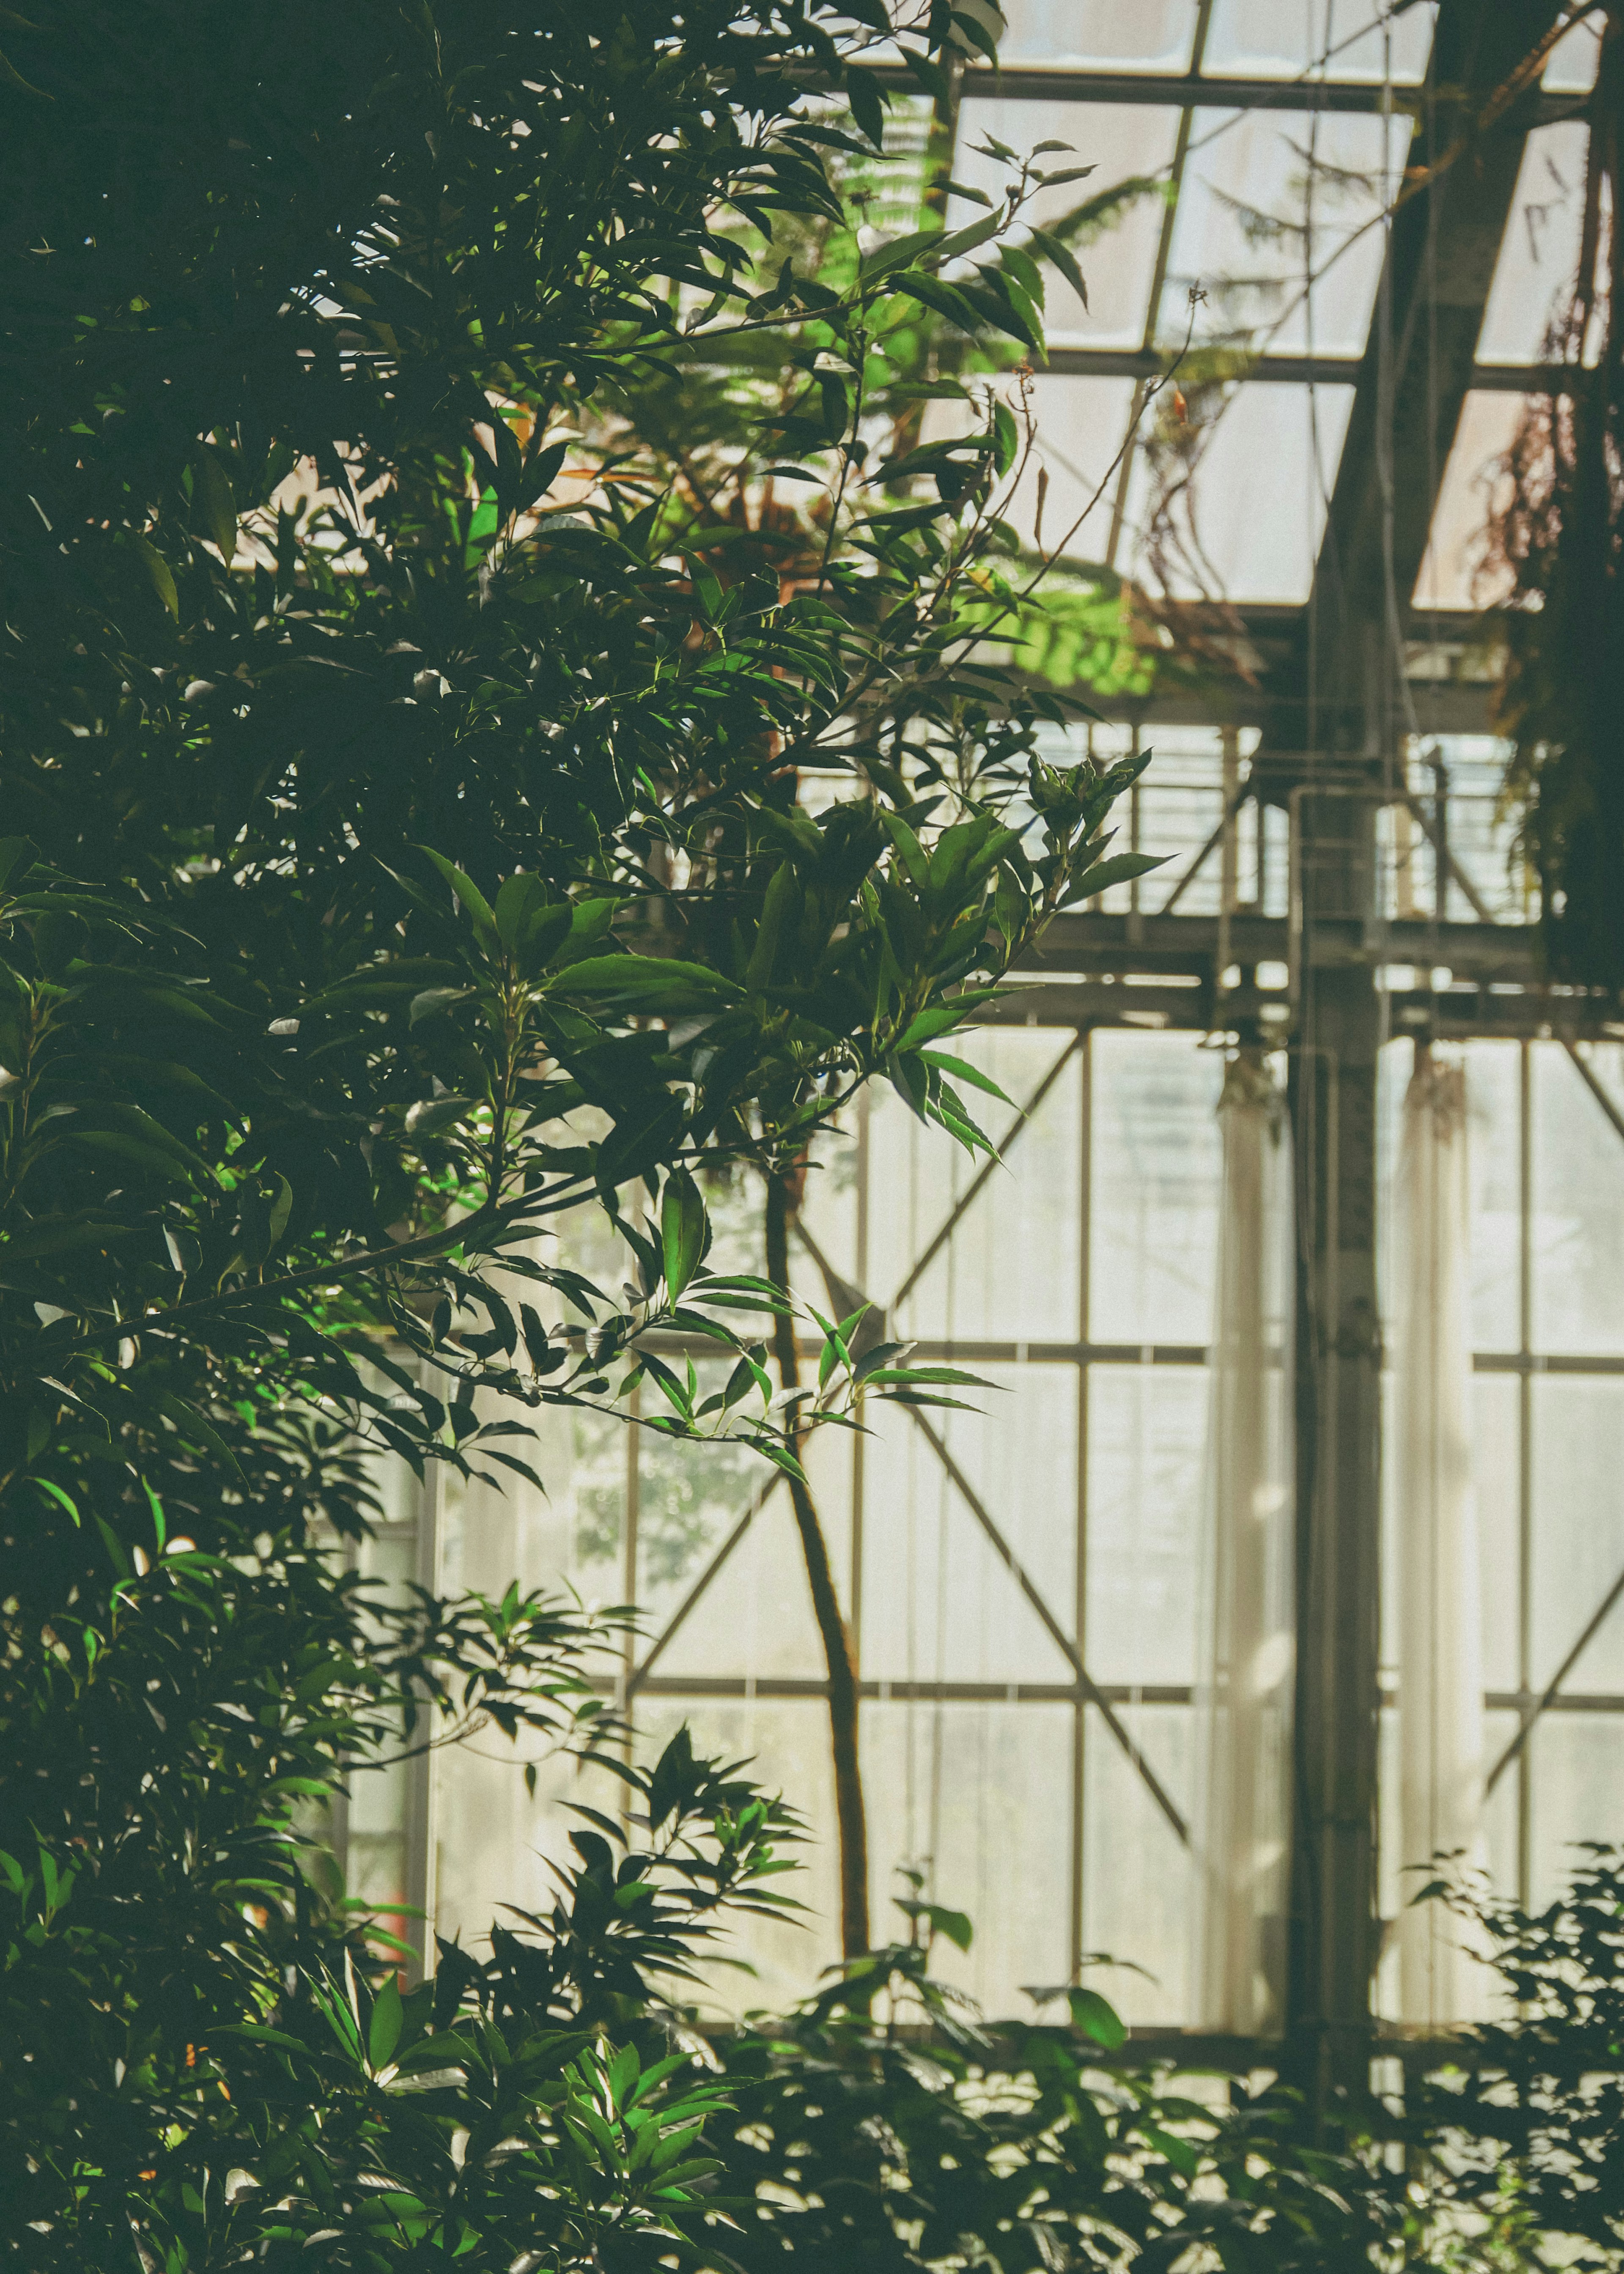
[1152, 943]
[1293, 370]
[909, 1693]
[1056, 83]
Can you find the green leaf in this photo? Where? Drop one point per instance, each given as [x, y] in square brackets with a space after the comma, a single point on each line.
[212, 497]
[963, 1071]
[1096, 2018]
[652, 975]
[161, 575]
[945, 299]
[1118, 870]
[472, 899]
[866, 98]
[682, 1230]
[1055, 250]
[384, 2030]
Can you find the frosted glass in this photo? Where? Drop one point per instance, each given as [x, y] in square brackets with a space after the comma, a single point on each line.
[1138, 1879]
[1154, 1173]
[785, 1743]
[1257, 504]
[1147, 1434]
[1456, 570]
[1496, 1467]
[939, 1602]
[1578, 1218]
[1573, 63]
[1252, 182]
[1578, 1527]
[1082, 425]
[1121, 142]
[978, 1797]
[1270, 38]
[1009, 1270]
[1539, 253]
[1099, 34]
[1494, 1093]
[1578, 1794]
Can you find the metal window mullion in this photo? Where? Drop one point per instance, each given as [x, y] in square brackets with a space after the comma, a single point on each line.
[854, 1590]
[1164, 253]
[1525, 1459]
[1079, 1711]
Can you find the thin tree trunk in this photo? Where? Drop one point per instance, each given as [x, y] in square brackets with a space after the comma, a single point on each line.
[837, 1652]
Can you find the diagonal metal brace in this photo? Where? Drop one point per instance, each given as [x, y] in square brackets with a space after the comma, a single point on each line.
[1553, 1688]
[679, 1617]
[978, 1184]
[1052, 1626]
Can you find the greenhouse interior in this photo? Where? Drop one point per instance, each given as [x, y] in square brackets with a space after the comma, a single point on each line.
[812, 1136]
[1299, 1284]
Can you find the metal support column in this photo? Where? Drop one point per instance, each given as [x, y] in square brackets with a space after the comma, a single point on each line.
[1333, 1095]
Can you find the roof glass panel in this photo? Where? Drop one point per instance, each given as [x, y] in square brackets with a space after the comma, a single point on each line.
[1268, 198]
[1571, 69]
[1122, 140]
[1452, 572]
[1080, 427]
[1346, 39]
[1540, 250]
[1259, 494]
[1100, 34]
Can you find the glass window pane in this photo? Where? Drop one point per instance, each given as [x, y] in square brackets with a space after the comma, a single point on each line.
[1494, 1093]
[753, 1620]
[958, 1789]
[1539, 253]
[1578, 1217]
[1082, 425]
[1578, 1794]
[1123, 141]
[1496, 1473]
[1009, 1270]
[1249, 525]
[1100, 34]
[1482, 833]
[1270, 197]
[1011, 1267]
[1574, 60]
[940, 1603]
[1155, 1178]
[786, 1743]
[1578, 1528]
[1139, 1880]
[1146, 1442]
[1261, 39]
[1456, 570]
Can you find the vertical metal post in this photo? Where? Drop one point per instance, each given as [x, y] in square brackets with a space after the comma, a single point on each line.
[628, 1584]
[1228, 852]
[1525, 1459]
[854, 1591]
[1080, 1599]
[421, 1840]
[1333, 1091]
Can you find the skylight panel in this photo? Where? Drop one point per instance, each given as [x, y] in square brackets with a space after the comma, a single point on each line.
[1454, 572]
[1282, 39]
[1269, 199]
[1081, 426]
[1571, 67]
[1153, 35]
[1250, 526]
[1539, 253]
[1121, 142]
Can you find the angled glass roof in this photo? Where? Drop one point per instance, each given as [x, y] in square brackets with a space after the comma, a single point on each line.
[1270, 135]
